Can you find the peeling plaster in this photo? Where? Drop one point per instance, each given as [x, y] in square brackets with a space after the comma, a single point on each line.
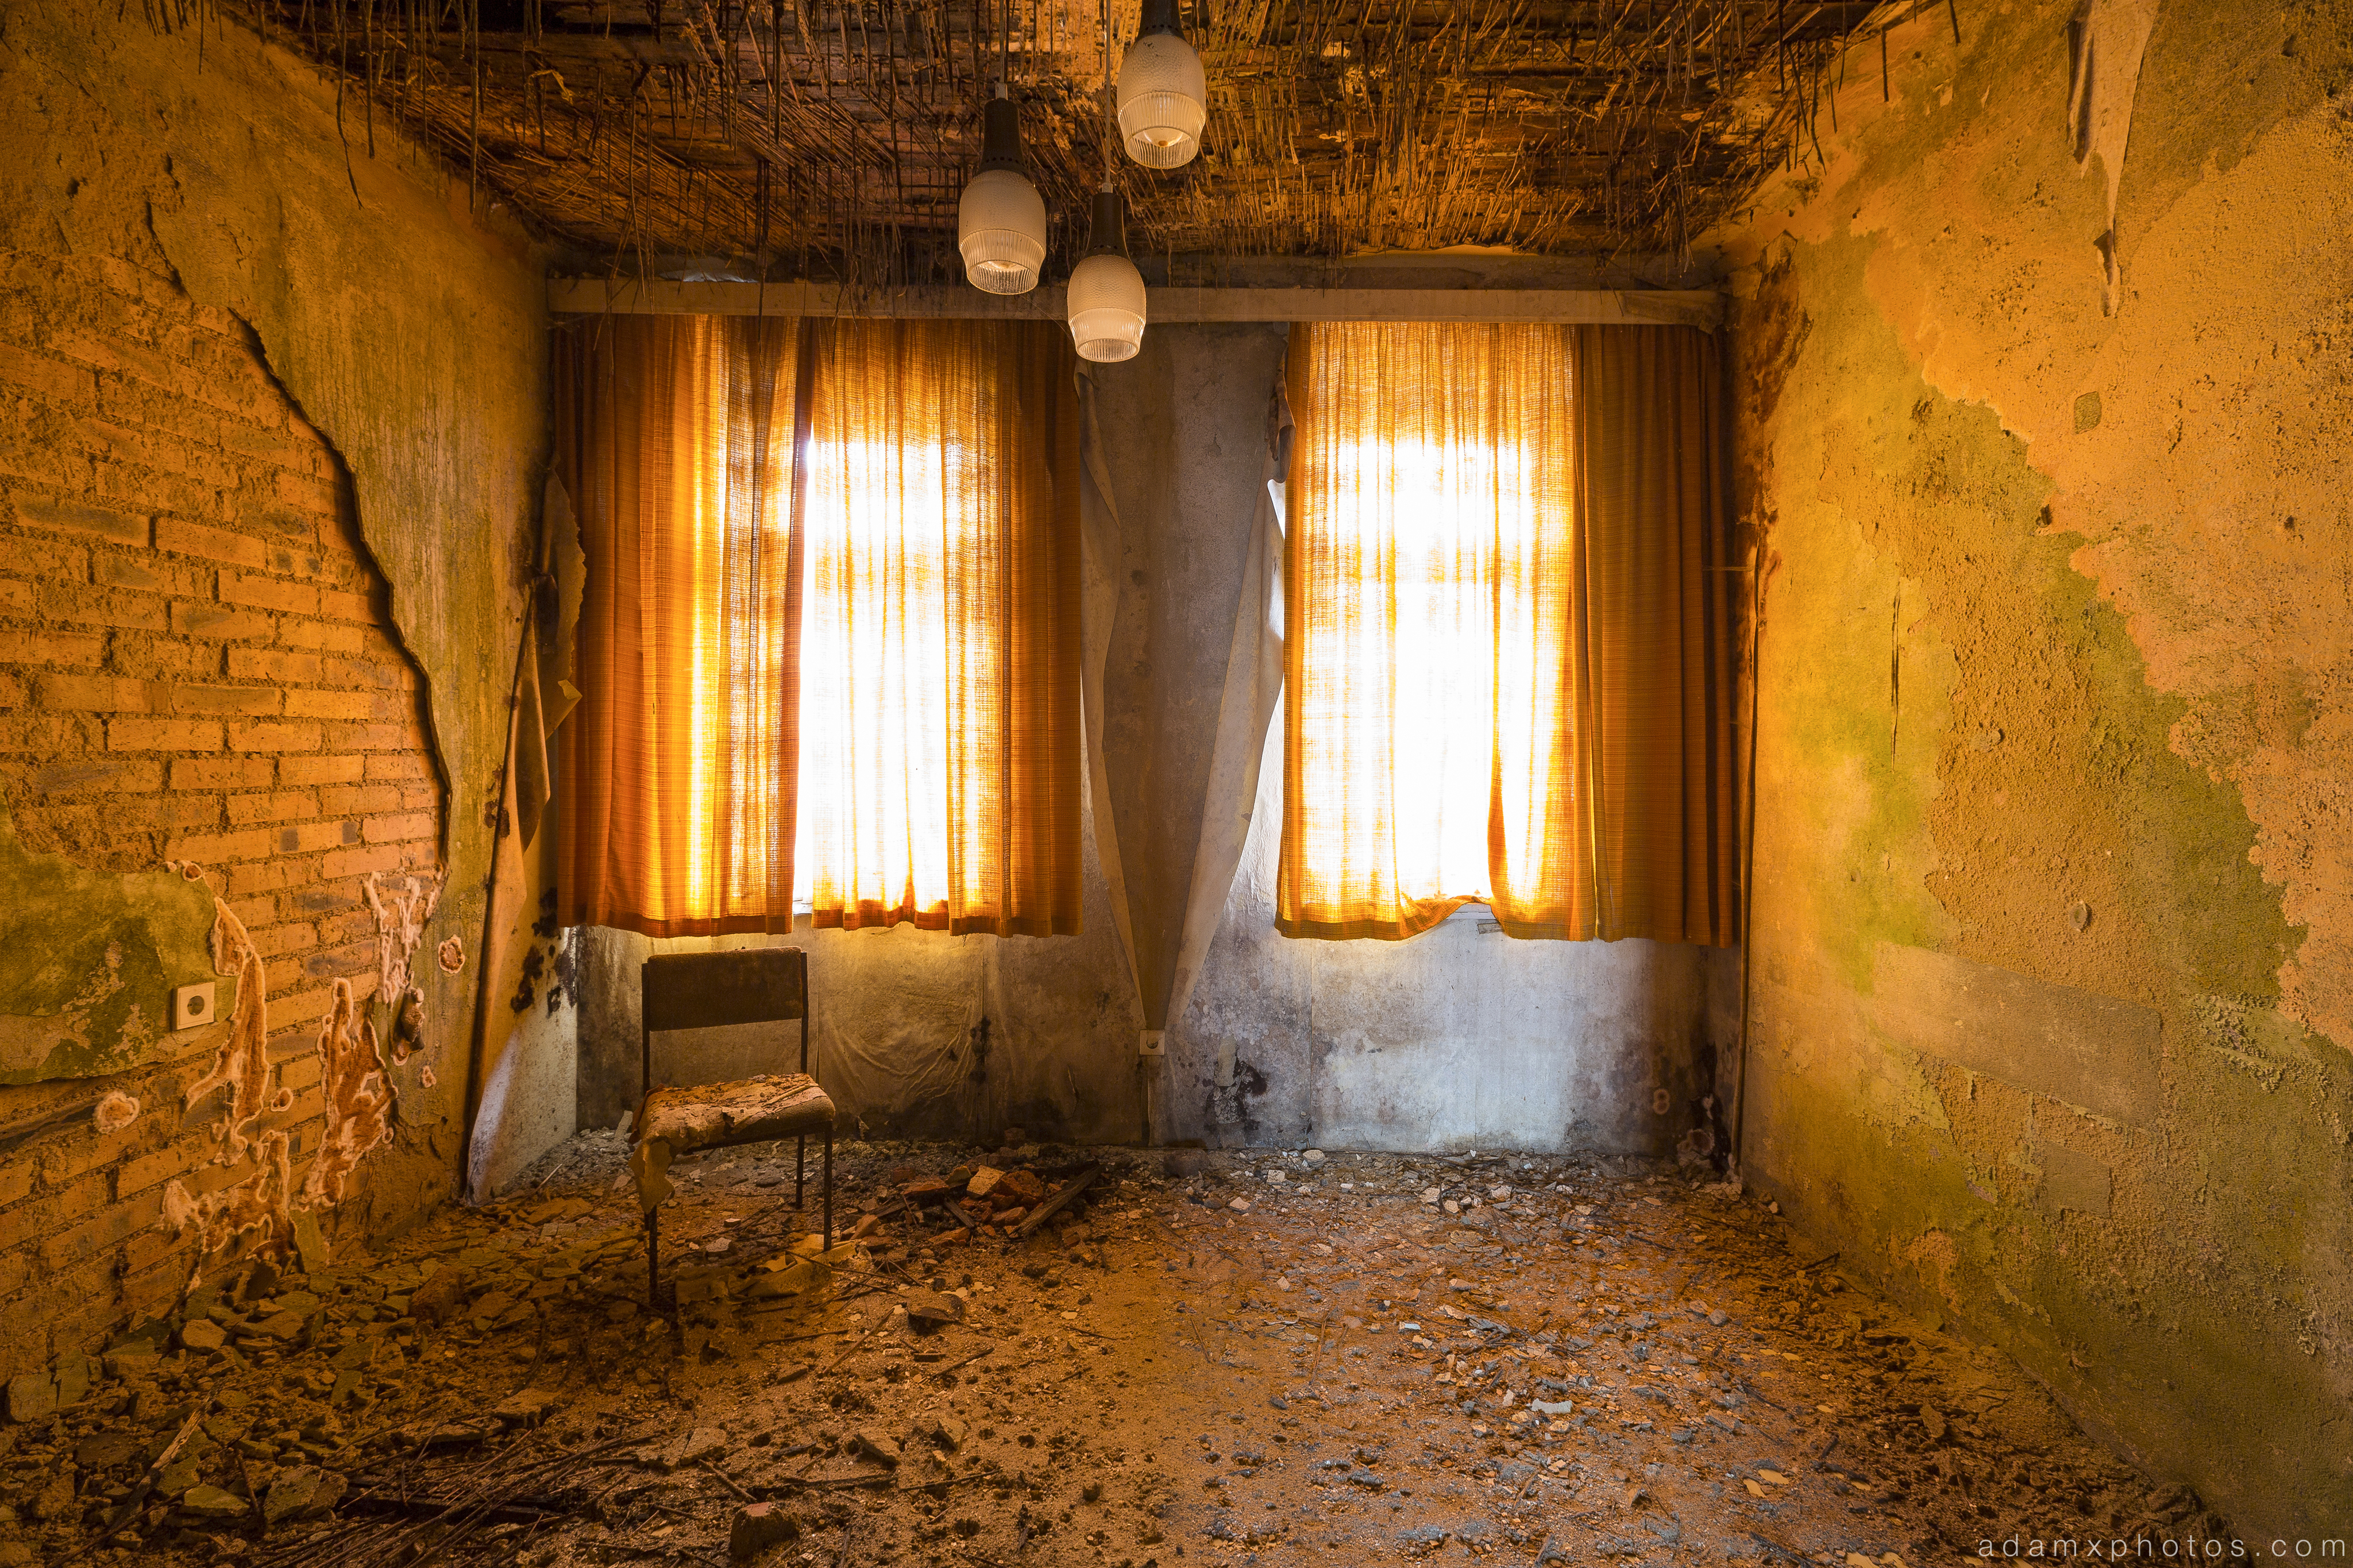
[400, 913]
[256, 1206]
[358, 1098]
[246, 1188]
[2105, 40]
[242, 1066]
[87, 959]
[250, 1194]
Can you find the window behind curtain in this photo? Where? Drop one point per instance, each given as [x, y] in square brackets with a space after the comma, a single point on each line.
[1427, 749]
[857, 673]
[939, 777]
[1509, 670]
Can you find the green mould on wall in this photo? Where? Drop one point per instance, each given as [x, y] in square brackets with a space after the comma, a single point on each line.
[89, 960]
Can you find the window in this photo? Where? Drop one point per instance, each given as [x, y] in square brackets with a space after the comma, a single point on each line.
[939, 720]
[1507, 665]
[831, 637]
[876, 675]
[1428, 549]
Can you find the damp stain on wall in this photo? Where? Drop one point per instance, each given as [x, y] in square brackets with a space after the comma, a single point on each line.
[88, 962]
[2053, 914]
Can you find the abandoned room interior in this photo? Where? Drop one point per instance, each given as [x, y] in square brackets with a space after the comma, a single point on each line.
[1006, 784]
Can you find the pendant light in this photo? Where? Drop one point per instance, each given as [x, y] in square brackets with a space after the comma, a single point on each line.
[1105, 299]
[1106, 293]
[1001, 222]
[1163, 95]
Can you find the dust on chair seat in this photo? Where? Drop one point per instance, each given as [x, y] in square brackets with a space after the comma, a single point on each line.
[675, 1121]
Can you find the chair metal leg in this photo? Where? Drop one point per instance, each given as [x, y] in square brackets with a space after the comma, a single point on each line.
[829, 1187]
[800, 1170]
[653, 1262]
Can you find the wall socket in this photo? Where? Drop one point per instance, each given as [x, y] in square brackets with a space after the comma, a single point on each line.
[191, 1005]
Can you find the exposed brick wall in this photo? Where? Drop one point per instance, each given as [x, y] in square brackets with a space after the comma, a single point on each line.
[194, 664]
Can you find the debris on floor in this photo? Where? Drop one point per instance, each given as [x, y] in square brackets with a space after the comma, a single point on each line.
[1035, 1355]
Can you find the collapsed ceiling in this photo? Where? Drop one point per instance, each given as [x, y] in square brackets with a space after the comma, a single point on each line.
[830, 139]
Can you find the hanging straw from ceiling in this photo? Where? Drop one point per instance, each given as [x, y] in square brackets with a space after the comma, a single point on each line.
[830, 138]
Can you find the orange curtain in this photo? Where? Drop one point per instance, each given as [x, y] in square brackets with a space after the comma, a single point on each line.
[674, 438]
[940, 662]
[1657, 613]
[1507, 656]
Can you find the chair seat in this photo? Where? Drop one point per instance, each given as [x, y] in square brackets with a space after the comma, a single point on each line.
[675, 1121]
[748, 1111]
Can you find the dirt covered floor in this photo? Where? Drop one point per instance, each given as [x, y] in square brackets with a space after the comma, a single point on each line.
[1201, 1358]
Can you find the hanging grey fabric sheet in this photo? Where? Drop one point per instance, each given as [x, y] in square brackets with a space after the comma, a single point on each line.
[1253, 691]
[1098, 603]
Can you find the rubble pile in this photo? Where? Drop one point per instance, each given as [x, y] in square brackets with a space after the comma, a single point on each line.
[1033, 1355]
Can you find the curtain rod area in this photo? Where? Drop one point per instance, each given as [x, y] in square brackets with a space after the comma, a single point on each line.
[1701, 308]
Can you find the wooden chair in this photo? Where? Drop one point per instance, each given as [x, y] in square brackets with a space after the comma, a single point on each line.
[708, 990]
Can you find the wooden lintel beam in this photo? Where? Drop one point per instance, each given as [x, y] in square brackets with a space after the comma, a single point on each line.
[1626, 307]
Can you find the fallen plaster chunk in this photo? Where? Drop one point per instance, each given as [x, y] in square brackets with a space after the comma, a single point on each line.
[439, 1297]
[757, 1527]
[301, 1491]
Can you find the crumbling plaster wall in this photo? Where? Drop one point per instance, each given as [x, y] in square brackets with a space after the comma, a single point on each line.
[2054, 919]
[341, 288]
[1455, 1039]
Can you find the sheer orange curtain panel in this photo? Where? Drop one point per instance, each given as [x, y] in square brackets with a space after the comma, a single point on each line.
[674, 435]
[939, 773]
[1426, 756]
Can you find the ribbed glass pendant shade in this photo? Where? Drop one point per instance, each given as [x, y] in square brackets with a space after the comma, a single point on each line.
[1163, 96]
[1106, 294]
[1001, 230]
[1106, 305]
[1001, 221]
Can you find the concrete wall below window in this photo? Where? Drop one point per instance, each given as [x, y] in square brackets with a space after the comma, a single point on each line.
[1461, 1037]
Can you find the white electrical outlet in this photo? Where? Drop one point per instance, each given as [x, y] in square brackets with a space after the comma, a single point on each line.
[1153, 1043]
[191, 1005]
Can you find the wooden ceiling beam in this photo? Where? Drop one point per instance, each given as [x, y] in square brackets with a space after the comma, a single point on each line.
[1673, 307]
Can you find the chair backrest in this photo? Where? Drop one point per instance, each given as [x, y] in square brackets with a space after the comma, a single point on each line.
[713, 990]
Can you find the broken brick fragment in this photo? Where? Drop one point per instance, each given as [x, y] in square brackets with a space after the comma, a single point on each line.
[1016, 1189]
[757, 1527]
[438, 1299]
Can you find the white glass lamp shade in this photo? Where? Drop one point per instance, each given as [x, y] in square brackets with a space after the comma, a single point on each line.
[1001, 230]
[1163, 101]
[1106, 307]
